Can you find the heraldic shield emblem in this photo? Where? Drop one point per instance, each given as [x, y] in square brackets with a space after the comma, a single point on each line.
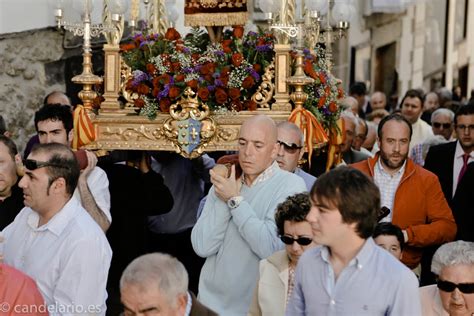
[189, 128]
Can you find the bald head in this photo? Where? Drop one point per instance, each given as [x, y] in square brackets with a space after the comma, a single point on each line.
[378, 100]
[261, 122]
[258, 146]
[351, 104]
[57, 97]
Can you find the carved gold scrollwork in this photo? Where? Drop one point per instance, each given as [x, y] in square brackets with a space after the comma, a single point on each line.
[189, 127]
[265, 91]
[125, 75]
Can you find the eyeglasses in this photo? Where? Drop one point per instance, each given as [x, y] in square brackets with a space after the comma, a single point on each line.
[463, 127]
[289, 148]
[446, 286]
[303, 241]
[31, 164]
[438, 125]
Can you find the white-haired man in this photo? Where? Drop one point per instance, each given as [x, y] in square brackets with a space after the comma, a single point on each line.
[157, 284]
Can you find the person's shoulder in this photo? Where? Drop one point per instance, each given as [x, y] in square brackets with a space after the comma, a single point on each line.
[83, 227]
[443, 147]
[393, 269]
[310, 256]
[289, 178]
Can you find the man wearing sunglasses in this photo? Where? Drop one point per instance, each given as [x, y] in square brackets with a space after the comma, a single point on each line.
[453, 263]
[237, 226]
[53, 240]
[349, 274]
[291, 141]
[54, 124]
[442, 123]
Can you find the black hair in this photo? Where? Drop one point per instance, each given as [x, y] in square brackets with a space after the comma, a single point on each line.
[55, 112]
[294, 209]
[389, 229]
[464, 110]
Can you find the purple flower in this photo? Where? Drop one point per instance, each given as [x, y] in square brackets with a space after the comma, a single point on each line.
[254, 74]
[219, 53]
[218, 83]
[252, 33]
[211, 88]
[186, 50]
[264, 48]
[187, 70]
[138, 76]
[163, 93]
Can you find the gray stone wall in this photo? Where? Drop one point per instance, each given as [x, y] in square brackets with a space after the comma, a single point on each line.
[30, 68]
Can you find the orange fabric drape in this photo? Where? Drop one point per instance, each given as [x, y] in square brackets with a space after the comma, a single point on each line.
[84, 132]
[313, 131]
[336, 137]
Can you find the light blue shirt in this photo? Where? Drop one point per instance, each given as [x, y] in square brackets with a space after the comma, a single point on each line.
[234, 241]
[309, 179]
[374, 283]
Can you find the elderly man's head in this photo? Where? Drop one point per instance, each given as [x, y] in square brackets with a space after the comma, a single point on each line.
[351, 104]
[453, 263]
[291, 141]
[378, 100]
[350, 123]
[360, 133]
[258, 145]
[371, 136]
[154, 284]
[431, 102]
[442, 122]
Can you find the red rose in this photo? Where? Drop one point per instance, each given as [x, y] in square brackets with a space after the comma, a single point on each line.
[193, 84]
[237, 59]
[174, 92]
[321, 102]
[309, 70]
[164, 79]
[155, 91]
[248, 82]
[226, 46]
[129, 85]
[127, 47]
[234, 93]
[139, 103]
[156, 82]
[221, 96]
[165, 105]
[203, 93]
[179, 78]
[143, 89]
[250, 105]
[257, 67]
[205, 70]
[209, 78]
[224, 79]
[172, 34]
[225, 70]
[238, 31]
[175, 66]
[333, 107]
[150, 68]
[236, 105]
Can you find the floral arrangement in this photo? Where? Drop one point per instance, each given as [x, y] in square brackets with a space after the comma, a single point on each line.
[224, 75]
[326, 93]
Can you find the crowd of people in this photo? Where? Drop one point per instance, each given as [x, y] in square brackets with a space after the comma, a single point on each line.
[389, 231]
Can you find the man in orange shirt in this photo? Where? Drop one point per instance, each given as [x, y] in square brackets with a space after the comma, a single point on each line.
[412, 194]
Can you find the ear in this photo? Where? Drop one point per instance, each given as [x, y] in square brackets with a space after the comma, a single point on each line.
[70, 136]
[59, 185]
[181, 303]
[20, 169]
[275, 149]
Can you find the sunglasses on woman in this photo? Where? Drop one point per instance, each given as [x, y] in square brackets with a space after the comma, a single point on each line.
[303, 241]
[446, 286]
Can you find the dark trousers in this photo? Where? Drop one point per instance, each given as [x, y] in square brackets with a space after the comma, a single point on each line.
[179, 246]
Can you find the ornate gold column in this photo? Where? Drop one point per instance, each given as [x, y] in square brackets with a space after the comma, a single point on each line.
[112, 61]
[282, 72]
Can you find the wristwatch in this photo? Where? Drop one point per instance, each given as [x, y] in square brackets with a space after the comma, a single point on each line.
[234, 202]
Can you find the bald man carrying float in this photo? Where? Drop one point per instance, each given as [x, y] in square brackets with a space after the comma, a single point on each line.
[237, 227]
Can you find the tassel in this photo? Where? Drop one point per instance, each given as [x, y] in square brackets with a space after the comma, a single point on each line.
[84, 132]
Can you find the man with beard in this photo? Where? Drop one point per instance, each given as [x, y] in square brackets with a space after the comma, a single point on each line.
[412, 194]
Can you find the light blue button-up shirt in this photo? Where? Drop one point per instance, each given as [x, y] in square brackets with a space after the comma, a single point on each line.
[373, 283]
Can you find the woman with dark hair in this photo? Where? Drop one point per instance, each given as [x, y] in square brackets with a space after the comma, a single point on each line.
[276, 281]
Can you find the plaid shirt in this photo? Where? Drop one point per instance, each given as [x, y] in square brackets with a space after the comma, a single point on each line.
[388, 185]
